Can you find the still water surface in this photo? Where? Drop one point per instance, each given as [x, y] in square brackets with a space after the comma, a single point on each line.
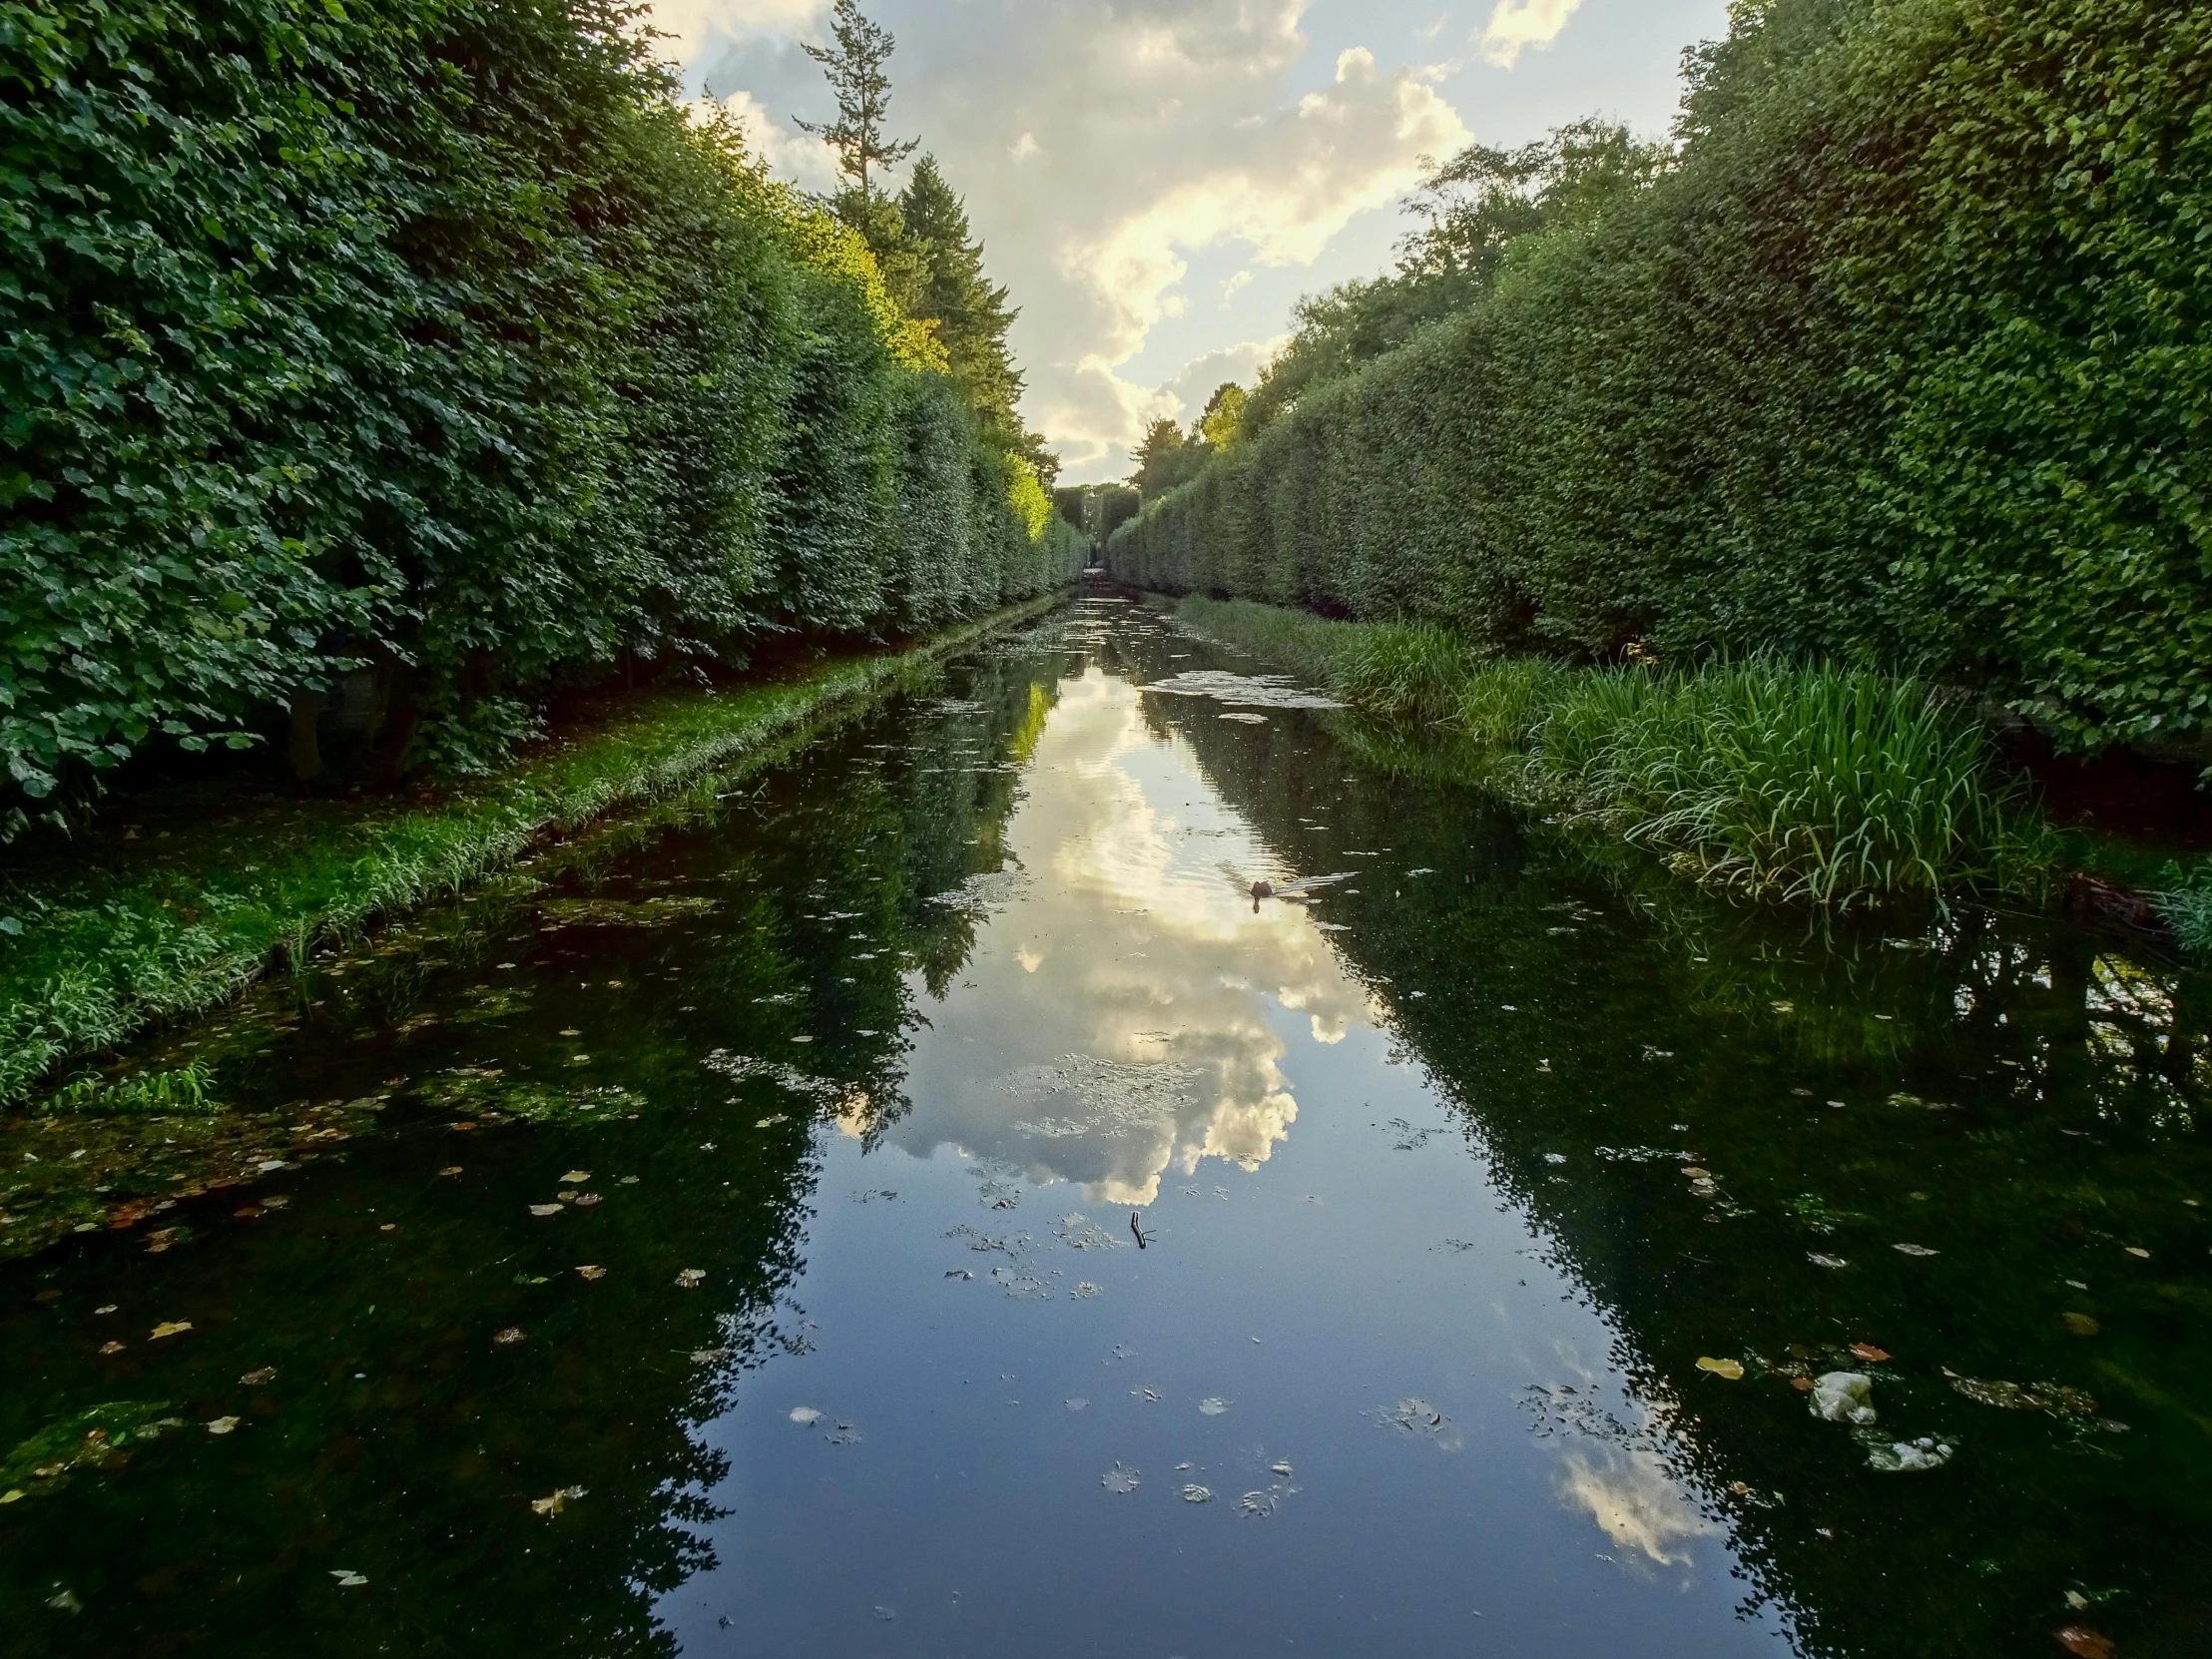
[738, 1246]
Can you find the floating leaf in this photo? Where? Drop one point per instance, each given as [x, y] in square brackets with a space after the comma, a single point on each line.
[545, 1209]
[223, 1425]
[589, 1272]
[2082, 1641]
[1730, 1369]
[1868, 1353]
[2081, 1325]
[1914, 1250]
[806, 1416]
[553, 1505]
[170, 1327]
[691, 1278]
[260, 1378]
[507, 1337]
[347, 1578]
[576, 1175]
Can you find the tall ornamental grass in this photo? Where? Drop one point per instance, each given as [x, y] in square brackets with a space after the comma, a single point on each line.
[1794, 783]
[1805, 783]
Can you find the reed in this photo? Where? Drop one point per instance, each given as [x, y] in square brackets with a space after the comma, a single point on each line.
[1789, 781]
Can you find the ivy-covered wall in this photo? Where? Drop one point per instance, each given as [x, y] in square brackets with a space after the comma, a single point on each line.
[1900, 359]
[429, 340]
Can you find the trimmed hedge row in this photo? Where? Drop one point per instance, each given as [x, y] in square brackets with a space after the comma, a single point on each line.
[430, 339]
[1904, 361]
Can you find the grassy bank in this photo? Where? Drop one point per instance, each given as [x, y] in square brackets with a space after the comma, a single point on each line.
[1799, 784]
[140, 927]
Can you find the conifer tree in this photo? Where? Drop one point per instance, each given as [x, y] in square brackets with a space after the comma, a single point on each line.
[856, 67]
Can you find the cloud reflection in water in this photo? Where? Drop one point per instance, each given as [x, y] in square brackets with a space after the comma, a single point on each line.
[1132, 977]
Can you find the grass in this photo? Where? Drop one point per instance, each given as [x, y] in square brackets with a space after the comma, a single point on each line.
[126, 933]
[1796, 783]
[2186, 905]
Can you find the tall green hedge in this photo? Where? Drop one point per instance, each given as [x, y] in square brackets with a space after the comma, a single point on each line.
[429, 340]
[1902, 361]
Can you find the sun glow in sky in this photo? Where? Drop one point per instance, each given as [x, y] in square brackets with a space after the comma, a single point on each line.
[1158, 181]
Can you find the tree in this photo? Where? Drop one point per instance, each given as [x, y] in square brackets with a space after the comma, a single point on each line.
[854, 67]
[971, 313]
[1165, 458]
[1221, 423]
[1474, 206]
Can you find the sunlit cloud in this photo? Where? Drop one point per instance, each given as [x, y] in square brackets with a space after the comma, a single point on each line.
[1635, 1504]
[1143, 1058]
[1520, 23]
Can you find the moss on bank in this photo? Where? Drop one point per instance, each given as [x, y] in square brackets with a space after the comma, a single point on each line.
[157, 929]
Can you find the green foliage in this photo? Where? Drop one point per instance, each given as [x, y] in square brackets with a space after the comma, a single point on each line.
[116, 945]
[426, 339]
[1805, 783]
[2186, 904]
[1900, 361]
[177, 1089]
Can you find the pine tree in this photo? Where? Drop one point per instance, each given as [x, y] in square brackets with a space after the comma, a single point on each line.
[854, 66]
[971, 313]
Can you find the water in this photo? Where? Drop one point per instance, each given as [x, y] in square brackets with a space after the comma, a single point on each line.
[1451, 1166]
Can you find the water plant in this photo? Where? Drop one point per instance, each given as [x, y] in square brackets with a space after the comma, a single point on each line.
[1802, 783]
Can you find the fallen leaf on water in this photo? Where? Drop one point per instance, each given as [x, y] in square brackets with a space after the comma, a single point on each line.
[2081, 1325]
[590, 1272]
[1820, 1260]
[223, 1425]
[14, 1494]
[805, 1415]
[557, 1502]
[110, 1347]
[1868, 1351]
[2138, 1250]
[1914, 1250]
[691, 1278]
[2080, 1639]
[584, 1201]
[545, 1209]
[1803, 1385]
[577, 1175]
[451, 1169]
[260, 1378]
[347, 1578]
[172, 1328]
[507, 1337]
[1732, 1370]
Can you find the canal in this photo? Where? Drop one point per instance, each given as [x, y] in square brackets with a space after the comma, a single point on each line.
[1106, 1156]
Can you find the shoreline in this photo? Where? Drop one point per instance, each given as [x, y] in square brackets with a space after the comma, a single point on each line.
[1495, 710]
[93, 962]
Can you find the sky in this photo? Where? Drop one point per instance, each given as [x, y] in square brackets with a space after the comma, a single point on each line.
[1159, 181]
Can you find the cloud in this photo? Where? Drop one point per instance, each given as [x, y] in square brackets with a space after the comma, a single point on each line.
[1098, 148]
[1140, 1056]
[1517, 24]
[1636, 1503]
[1194, 382]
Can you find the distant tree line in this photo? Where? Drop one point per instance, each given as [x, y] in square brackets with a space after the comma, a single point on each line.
[423, 357]
[1896, 353]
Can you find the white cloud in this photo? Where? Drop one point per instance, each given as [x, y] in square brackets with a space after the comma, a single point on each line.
[1636, 1503]
[1099, 147]
[1194, 382]
[1519, 24]
[797, 156]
